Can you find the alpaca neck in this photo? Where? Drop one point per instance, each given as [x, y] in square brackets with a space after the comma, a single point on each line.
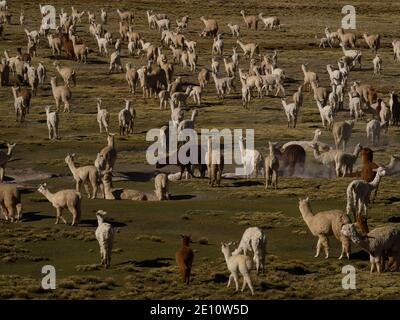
[71, 166]
[111, 142]
[100, 219]
[49, 196]
[227, 255]
[9, 153]
[209, 149]
[307, 215]
[356, 151]
[316, 136]
[193, 116]
[14, 91]
[374, 183]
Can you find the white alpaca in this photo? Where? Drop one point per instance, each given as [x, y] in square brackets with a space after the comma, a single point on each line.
[105, 236]
[358, 194]
[291, 113]
[103, 117]
[254, 239]
[235, 264]
[115, 62]
[52, 121]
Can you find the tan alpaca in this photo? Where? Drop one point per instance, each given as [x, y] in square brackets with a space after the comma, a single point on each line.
[215, 166]
[4, 158]
[84, 175]
[271, 167]
[10, 202]
[325, 224]
[60, 200]
[109, 153]
[61, 94]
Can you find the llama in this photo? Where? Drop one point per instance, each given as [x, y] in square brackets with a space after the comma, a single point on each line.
[236, 263]
[109, 153]
[84, 175]
[52, 121]
[126, 118]
[252, 160]
[378, 243]
[324, 224]
[271, 167]
[358, 194]
[10, 202]
[60, 200]
[345, 161]
[184, 258]
[215, 163]
[254, 239]
[105, 236]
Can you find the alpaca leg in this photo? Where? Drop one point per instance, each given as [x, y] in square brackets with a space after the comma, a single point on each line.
[236, 279]
[94, 189]
[246, 278]
[372, 262]
[230, 279]
[1, 174]
[319, 244]
[325, 244]
[74, 213]
[58, 215]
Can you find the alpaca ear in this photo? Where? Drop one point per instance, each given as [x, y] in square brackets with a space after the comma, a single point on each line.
[307, 199]
[73, 155]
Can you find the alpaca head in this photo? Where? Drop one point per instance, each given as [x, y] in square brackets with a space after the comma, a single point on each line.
[42, 188]
[10, 147]
[304, 202]
[349, 230]
[186, 239]
[225, 248]
[380, 171]
[70, 157]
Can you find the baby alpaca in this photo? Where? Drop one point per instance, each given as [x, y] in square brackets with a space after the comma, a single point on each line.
[235, 264]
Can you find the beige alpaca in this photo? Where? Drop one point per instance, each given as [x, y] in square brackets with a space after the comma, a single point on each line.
[131, 77]
[271, 167]
[109, 153]
[4, 158]
[215, 164]
[10, 202]
[61, 94]
[110, 193]
[161, 186]
[60, 200]
[250, 21]
[84, 175]
[80, 50]
[324, 224]
[68, 74]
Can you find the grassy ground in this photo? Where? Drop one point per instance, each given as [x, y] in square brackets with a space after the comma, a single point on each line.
[143, 265]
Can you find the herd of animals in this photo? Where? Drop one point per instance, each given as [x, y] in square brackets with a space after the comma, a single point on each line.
[156, 79]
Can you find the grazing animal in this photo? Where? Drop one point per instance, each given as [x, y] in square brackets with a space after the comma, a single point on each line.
[84, 175]
[109, 153]
[52, 121]
[394, 109]
[60, 200]
[378, 243]
[358, 194]
[324, 224]
[10, 202]
[341, 132]
[271, 167]
[184, 258]
[61, 94]
[103, 117]
[237, 263]
[105, 236]
[254, 239]
[293, 156]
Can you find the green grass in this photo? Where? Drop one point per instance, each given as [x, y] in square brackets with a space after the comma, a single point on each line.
[143, 263]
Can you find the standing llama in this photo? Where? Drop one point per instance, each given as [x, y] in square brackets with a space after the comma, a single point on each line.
[184, 258]
[105, 236]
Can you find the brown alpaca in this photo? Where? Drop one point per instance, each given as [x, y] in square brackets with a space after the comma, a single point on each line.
[68, 46]
[292, 155]
[367, 171]
[184, 258]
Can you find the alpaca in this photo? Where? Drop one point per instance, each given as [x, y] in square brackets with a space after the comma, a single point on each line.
[184, 258]
[341, 132]
[84, 175]
[60, 200]
[324, 224]
[252, 160]
[61, 94]
[271, 167]
[291, 113]
[10, 202]
[345, 161]
[103, 117]
[254, 239]
[215, 163]
[52, 121]
[126, 118]
[110, 193]
[378, 243]
[358, 194]
[109, 153]
[293, 155]
[161, 187]
[105, 236]
[4, 158]
[237, 263]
